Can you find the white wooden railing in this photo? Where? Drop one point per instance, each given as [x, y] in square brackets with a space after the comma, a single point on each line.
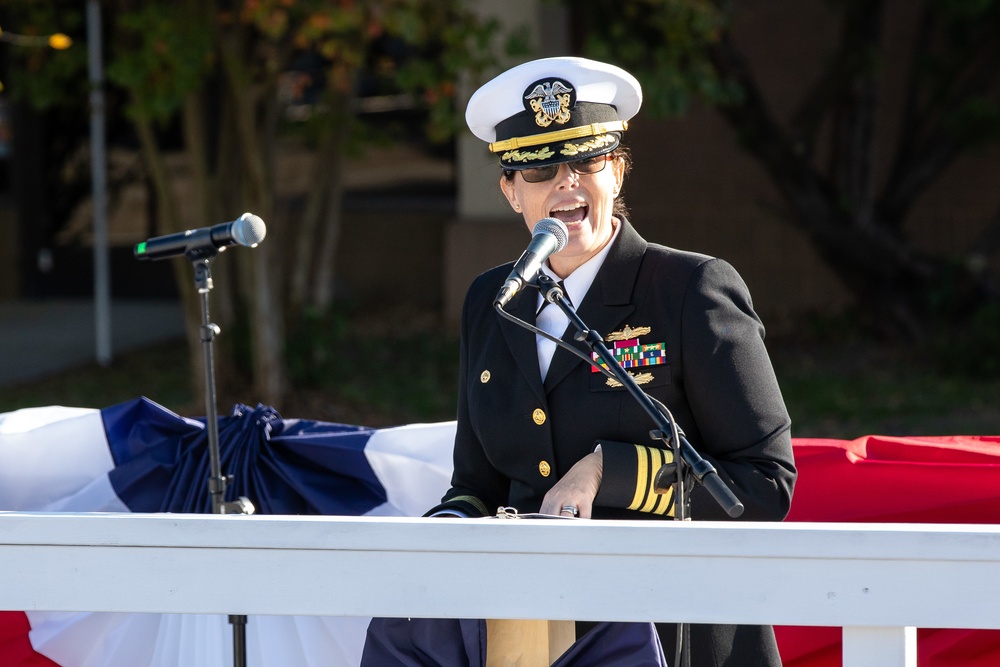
[877, 581]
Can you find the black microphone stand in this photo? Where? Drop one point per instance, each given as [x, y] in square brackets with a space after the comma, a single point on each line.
[666, 430]
[202, 262]
[687, 461]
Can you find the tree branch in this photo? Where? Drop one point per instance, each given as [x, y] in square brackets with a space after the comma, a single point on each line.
[981, 252]
[910, 118]
[761, 135]
[853, 142]
[912, 179]
[852, 60]
[862, 255]
[928, 143]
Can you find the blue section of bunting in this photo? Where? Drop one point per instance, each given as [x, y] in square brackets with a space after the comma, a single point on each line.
[291, 466]
[309, 467]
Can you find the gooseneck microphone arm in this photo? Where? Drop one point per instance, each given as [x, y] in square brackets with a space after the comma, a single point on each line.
[667, 429]
[686, 458]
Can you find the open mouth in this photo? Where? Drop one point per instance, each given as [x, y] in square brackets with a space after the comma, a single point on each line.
[570, 213]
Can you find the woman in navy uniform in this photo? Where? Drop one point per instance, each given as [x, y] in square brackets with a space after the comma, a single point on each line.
[540, 430]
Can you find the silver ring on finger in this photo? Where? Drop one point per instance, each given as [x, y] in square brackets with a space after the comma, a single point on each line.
[571, 509]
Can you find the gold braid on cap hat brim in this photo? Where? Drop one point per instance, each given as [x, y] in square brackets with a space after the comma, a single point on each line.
[559, 135]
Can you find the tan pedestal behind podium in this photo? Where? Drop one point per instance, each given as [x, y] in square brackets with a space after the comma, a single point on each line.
[520, 643]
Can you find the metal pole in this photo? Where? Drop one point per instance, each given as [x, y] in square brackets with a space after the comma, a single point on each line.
[98, 171]
[217, 481]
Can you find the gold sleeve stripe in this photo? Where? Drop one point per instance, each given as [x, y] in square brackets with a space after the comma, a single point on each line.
[656, 460]
[666, 503]
[642, 481]
[645, 499]
[559, 135]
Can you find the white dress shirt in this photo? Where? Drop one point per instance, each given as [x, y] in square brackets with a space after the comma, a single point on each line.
[551, 318]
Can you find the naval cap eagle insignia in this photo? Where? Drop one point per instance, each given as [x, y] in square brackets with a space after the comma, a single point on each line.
[550, 100]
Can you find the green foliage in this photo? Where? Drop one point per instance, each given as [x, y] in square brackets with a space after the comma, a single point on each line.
[664, 43]
[160, 372]
[40, 76]
[832, 389]
[974, 350]
[964, 13]
[849, 385]
[233, 62]
[446, 42]
[311, 344]
[402, 371]
[161, 54]
[667, 45]
[161, 50]
[840, 380]
[517, 42]
[976, 122]
[958, 65]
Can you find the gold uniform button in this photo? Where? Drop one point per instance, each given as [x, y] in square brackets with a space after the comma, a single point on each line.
[539, 416]
[485, 377]
[544, 468]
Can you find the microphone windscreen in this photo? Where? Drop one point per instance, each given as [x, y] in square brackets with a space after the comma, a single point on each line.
[554, 227]
[249, 230]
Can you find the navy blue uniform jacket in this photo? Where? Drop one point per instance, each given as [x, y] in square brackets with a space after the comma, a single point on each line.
[516, 436]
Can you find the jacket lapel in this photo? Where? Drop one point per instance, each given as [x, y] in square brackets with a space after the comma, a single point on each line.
[607, 304]
[521, 341]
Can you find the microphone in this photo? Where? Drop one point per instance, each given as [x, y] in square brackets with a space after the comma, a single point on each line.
[248, 230]
[547, 238]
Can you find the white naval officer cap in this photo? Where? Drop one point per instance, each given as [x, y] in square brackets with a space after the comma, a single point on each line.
[554, 110]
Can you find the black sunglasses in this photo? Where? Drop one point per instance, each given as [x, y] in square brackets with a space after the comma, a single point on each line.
[590, 165]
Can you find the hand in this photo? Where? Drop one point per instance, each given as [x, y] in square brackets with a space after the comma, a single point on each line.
[577, 488]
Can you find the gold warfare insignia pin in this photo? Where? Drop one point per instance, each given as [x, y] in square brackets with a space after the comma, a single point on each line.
[550, 100]
[630, 353]
[628, 333]
[640, 378]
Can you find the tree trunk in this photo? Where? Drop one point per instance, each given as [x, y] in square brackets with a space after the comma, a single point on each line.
[325, 259]
[168, 222]
[267, 330]
[889, 276]
[311, 262]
